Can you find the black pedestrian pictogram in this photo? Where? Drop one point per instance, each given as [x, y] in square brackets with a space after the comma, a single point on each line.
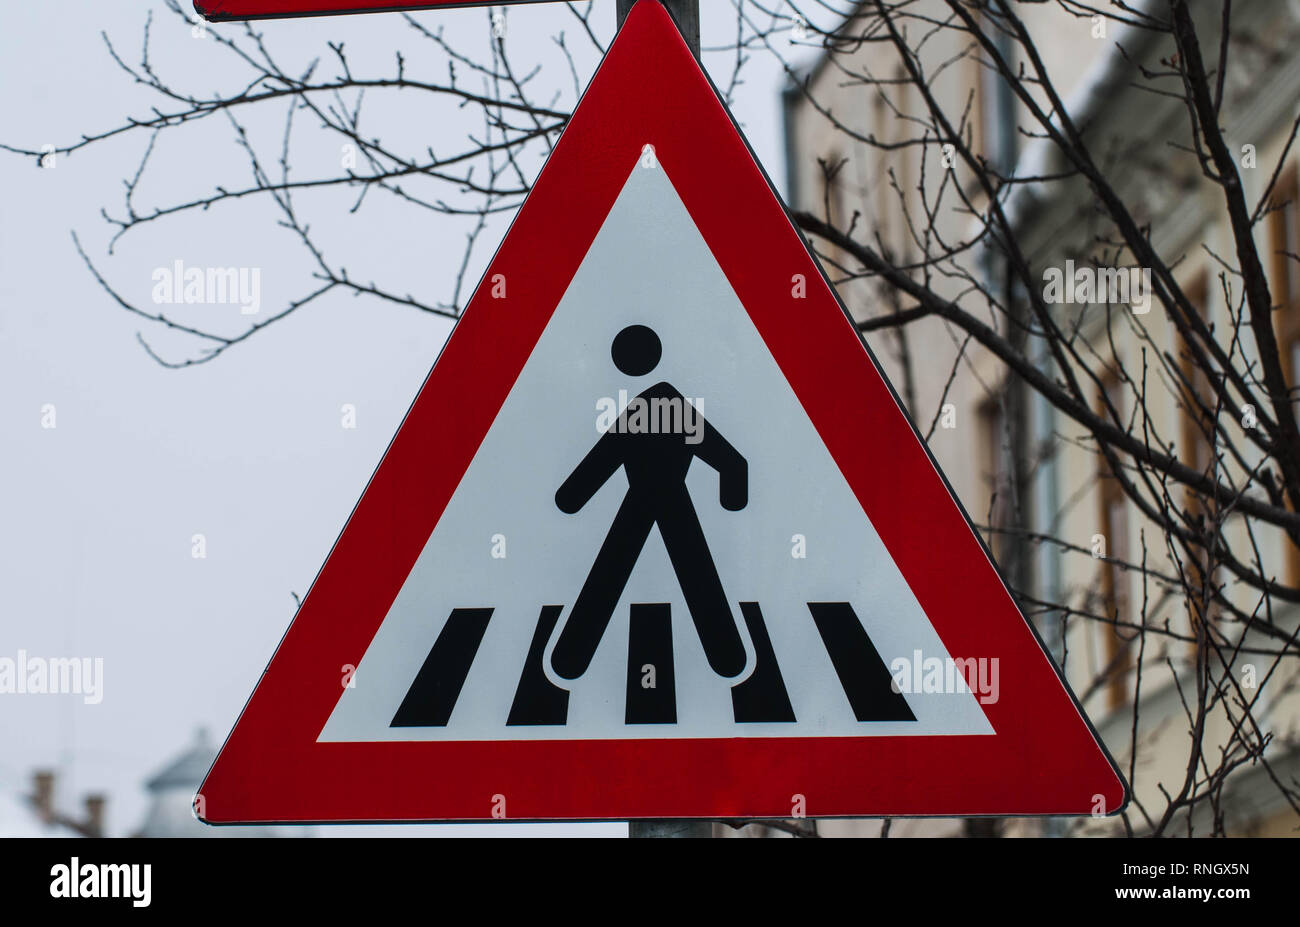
[656, 463]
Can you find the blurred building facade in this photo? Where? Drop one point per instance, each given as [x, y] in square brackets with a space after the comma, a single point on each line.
[960, 394]
[171, 799]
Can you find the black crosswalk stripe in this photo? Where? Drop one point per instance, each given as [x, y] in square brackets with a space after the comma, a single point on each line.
[437, 686]
[762, 697]
[538, 700]
[651, 694]
[651, 682]
[862, 673]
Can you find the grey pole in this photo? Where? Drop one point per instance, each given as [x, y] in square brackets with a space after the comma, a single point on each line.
[685, 12]
[670, 828]
[687, 15]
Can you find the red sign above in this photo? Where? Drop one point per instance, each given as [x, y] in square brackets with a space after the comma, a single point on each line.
[223, 10]
[545, 607]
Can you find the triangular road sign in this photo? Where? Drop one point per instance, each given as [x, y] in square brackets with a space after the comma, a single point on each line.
[656, 538]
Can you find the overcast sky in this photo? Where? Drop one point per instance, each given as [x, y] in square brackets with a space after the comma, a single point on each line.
[100, 511]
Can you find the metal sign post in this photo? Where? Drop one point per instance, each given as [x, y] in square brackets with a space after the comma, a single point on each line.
[686, 13]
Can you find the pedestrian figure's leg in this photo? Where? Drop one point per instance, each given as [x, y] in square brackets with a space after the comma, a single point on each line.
[604, 586]
[698, 576]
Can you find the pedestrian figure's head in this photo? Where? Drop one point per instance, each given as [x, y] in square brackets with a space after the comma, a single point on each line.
[636, 350]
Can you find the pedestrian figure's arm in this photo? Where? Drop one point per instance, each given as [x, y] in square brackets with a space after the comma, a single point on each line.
[597, 467]
[733, 469]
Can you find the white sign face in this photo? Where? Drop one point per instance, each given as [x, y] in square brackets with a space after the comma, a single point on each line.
[851, 652]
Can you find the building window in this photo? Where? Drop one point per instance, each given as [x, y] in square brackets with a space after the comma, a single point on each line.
[995, 471]
[1197, 440]
[980, 131]
[878, 191]
[1114, 578]
[1284, 232]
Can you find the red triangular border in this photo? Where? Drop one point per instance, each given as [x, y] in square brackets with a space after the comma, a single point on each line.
[228, 10]
[1043, 758]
